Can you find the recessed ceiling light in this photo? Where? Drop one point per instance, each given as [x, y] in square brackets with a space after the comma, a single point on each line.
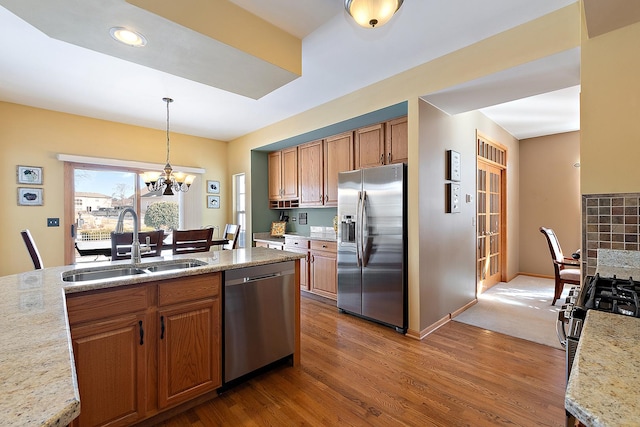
[128, 37]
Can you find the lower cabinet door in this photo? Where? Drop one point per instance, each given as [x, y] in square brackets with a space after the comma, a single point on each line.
[189, 351]
[110, 358]
[323, 274]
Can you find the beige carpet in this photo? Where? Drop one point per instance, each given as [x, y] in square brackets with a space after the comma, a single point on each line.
[521, 308]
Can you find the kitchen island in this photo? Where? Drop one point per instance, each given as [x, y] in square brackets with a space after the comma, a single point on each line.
[37, 373]
[602, 388]
[603, 385]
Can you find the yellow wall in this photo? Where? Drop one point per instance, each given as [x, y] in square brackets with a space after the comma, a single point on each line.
[33, 137]
[610, 112]
[550, 197]
[546, 36]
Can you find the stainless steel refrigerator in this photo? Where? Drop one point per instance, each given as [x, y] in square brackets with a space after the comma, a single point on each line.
[372, 244]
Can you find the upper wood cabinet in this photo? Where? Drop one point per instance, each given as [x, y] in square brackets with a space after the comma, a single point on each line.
[338, 157]
[382, 144]
[310, 174]
[319, 163]
[396, 142]
[369, 146]
[283, 178]
[307, 175]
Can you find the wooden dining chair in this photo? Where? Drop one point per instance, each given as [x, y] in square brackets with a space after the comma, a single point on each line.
[121, 244]
[33, 250]
[567, 270]
[231, 233]
[190, 241]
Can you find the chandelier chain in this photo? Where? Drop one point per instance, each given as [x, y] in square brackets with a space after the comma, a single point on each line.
[168, 101]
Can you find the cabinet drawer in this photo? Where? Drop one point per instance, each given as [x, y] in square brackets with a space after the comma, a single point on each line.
[94, 305]
[322, 245]
[296, 242]
[188, 289]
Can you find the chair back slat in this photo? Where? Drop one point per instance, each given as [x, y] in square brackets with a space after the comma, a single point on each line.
[121, 244]
[33, 250]
[231, 233]
[554, 244]
[191, 241]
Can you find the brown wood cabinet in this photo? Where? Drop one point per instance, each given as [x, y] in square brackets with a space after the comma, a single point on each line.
[382, 144]
[311, 174]
[319, 163]
[396, 141]
[283, 178]
[300, 245]
[142, 348]
[189, 356]
[109, 335]
[324, 267]
[369, 146]
[338, 157]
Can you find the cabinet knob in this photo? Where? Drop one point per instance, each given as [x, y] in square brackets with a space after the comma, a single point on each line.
[161, 327]
[389, 158]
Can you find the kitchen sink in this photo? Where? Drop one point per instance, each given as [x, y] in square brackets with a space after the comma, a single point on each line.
[111, 272]
[97, 274]
[175, 265]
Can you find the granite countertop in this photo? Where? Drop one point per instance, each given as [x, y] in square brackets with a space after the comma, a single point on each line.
[603, 386]
[326, 234]
[37, 373]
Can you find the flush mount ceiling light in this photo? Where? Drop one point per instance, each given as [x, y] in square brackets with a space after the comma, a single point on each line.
[167, 180]
[128, 37]
[369, 13]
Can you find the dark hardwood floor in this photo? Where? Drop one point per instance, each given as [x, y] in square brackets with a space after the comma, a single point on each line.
[355, 373]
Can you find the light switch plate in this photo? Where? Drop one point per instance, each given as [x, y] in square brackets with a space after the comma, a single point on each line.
[53, 222]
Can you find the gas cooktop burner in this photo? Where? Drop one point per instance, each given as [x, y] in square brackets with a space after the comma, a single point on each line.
[613, 295]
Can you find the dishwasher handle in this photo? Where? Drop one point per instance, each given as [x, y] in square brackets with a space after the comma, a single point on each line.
[243, 280]
[263, 277]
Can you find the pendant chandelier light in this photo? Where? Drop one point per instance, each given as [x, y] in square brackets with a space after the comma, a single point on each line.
[372, 13]
[167, 181]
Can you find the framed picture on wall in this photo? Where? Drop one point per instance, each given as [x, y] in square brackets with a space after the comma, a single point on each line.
[29, 175]
[213, 202]
[213, 187]
[30, 196]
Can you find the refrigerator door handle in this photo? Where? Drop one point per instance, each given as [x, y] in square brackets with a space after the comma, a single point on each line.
[364, 233]
[358, 230]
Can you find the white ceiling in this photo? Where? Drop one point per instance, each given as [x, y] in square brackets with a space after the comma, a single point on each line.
[337, 58]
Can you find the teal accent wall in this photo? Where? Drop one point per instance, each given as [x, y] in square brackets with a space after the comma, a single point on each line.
[322, 217]
[378, 116]
[261, 215]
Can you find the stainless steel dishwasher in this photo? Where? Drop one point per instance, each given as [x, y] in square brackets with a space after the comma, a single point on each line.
[259, 317]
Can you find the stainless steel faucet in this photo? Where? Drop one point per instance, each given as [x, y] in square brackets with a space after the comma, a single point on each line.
[135, 244]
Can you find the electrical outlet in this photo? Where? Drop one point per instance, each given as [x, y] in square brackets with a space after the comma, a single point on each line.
[53, 222]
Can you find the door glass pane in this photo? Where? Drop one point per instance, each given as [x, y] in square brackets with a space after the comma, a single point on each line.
[100, 195]
[158, 211]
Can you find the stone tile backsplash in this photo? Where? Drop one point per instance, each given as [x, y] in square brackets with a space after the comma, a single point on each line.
[609, 221]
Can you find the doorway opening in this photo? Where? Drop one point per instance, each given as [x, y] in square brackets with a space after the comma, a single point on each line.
[491, 212]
